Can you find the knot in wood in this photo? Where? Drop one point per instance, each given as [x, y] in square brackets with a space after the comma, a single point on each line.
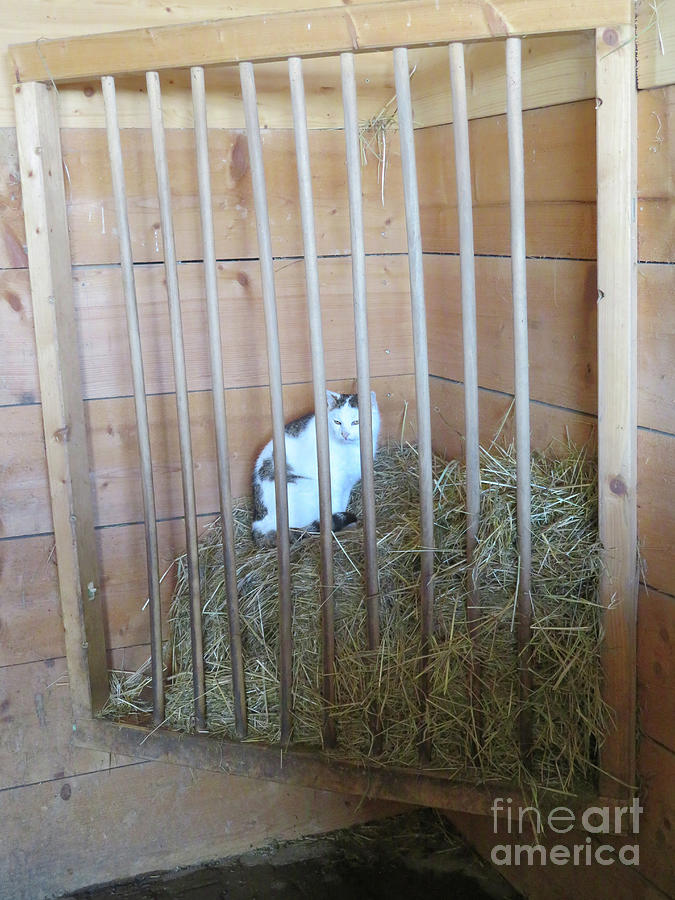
[618, 486]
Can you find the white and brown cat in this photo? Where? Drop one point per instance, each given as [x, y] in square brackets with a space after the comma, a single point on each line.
[302, 470]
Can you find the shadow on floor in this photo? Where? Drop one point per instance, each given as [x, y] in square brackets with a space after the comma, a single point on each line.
[415, 856]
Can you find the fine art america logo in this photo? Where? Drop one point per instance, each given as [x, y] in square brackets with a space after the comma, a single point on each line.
[621, 821]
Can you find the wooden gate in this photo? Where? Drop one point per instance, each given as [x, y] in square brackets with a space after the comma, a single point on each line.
[393, 26]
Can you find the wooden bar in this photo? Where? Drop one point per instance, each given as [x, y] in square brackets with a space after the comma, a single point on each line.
[218, 392]
[248, 94]
[514, 116]
[617, 391]
[318, 383]
[468, 286]
[140, 403]
[419, 325]
[353, 156]
[469, 336]
[419, 331]
[44, 205]
[253, 760]
[376, 26]
[353, 151]
[187, 470]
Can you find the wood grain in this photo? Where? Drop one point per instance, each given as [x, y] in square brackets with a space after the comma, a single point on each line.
[656, 174]
[36, 734]
[25, 506]
[31, 626]
[111, 436]
[562, 300]
[557, 69]
[62, 409]
[656, 44]
[655, 666]
[560, 211]
[171, 816]
[303, 33]
[657, 844]
[92, 216]
[656, 510]
[656, 345]
[560, 219]
[67, 19]
[101, 323]
[567, 285]
[617, 387]
[550, 425]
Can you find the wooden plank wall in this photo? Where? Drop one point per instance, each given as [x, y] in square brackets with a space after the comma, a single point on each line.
[562, 298]
[153, 816]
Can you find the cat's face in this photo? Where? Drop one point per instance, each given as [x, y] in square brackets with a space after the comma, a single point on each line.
[343, 415]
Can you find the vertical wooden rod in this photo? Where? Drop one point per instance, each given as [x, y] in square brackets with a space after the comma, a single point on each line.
[361, 333]
[460, 127]
[142, 427]
[412, 218]
[421, 356]
[318, 381]
[616, 136]
[514, 114]
[468, 281]
[182, 407]
[248, 93]
[218, 390]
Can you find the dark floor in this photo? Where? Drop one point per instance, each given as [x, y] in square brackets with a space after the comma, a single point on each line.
[414, 856]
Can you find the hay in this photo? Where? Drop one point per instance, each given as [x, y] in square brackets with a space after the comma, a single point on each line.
[475, 742]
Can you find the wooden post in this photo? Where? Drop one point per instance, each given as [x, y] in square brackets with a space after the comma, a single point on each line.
[44, 205]
[617, 393]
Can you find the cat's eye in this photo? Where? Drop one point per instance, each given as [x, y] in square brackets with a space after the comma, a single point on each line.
[337, 421]
[355, 422]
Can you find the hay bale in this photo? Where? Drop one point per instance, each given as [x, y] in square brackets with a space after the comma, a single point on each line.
[476, 743]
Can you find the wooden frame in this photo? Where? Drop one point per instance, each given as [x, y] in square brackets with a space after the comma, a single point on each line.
[322, 32]
[375, 27]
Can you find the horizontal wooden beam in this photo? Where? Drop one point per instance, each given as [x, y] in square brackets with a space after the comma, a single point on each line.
[321, 32]
[302, 767]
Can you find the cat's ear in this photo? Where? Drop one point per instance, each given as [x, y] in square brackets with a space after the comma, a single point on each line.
[373, 399]
[332, 399]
